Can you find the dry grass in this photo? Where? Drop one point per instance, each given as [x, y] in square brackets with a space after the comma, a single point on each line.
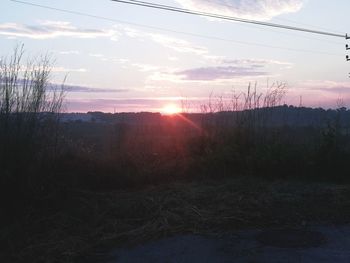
[90, 220]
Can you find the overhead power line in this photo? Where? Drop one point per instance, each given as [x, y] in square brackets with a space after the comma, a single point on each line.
[223, 17]
[279, 19]
[173, 31]
[170, 30]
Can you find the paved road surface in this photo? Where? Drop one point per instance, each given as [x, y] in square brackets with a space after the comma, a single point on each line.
[319, 244]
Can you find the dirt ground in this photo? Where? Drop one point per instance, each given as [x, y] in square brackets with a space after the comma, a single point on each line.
[209, 221]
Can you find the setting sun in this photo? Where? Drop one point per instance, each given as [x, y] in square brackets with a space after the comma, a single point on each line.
[171, 109]
[181, 117]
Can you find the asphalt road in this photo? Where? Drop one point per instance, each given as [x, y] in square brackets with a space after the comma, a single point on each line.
[319, 244]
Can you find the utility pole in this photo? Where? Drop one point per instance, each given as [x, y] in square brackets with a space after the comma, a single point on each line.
[347, 37]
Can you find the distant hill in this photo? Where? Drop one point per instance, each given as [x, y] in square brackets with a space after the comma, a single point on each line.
[277, 116]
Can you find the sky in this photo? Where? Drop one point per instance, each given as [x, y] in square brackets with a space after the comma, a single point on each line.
[143, 59]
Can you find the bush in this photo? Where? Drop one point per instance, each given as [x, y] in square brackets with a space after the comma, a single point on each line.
[29, 107]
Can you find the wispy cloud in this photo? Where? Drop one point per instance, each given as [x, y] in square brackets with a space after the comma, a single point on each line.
[71, 88]
[335, 87]
[260, 62]
[168, 75]
[58, 69]
[221, 72]
[56, 29]
[177, 44]
[342, 89]
[63, 69]
[145, 67]
[53, 29]
[82, 89]
[69, 52]
[250, 9]
[223, 69]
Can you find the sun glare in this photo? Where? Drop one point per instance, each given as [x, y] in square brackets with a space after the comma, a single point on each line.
[171, 109]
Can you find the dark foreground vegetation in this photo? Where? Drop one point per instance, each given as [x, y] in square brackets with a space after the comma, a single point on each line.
[69, 188]
[281, 142]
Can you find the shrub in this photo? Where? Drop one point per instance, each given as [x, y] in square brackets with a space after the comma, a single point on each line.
[29, 107]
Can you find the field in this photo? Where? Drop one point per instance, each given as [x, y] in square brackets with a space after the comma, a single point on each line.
[127, 178]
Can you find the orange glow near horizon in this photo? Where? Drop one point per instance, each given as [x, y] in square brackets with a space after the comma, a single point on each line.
[171, 109]
[174, 110]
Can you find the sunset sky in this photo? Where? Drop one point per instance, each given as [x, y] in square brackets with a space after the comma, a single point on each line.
[143, 59]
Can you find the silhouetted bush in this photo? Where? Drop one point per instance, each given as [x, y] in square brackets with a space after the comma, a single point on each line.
[29, 118]
[131, 153]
